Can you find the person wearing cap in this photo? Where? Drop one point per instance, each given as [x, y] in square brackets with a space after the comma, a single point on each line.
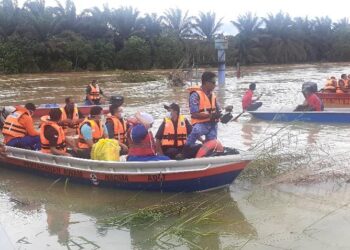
[93, 94]
[90, 131]
[205, 111]
[117, 126]
[19, 129]
[141, 142]
[248, 102]
[172, 133]
[312, 101]
[52, 137]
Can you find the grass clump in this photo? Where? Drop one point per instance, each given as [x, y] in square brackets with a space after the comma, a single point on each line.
[135, 77]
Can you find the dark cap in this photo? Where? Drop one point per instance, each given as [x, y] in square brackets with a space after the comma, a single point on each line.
[95, 110]
[173, 106]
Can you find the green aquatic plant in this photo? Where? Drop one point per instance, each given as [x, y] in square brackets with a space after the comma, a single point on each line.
[134, 77]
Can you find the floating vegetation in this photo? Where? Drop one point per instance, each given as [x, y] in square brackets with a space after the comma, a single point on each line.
[134, 77]
[176, 223]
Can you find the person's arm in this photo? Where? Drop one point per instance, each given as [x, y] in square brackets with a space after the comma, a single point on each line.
[110, 129]
[28, 123]
[55, 151]
[188, 127]
[159, 137]
[142, 121]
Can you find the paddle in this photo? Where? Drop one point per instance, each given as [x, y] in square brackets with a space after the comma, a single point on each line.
[235, 119]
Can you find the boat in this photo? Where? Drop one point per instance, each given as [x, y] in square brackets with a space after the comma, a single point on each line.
[191, 175]
[327, 116]
[335, 100]
[44, 109]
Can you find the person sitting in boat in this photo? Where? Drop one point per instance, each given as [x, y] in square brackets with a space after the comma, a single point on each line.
[71, 115]
[52, 136]
[90, 131]
[19, 129]
[331, 85]
[141, 142]
[93, 94]
[117, 126]
[248, 103]
[312, 102]
[172, 133]
[5, 111]
[205, 113]
[340, 89]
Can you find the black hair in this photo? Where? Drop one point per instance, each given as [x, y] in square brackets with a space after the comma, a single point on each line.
[95, 110]
[30, 106]
[55, 114]
[113, 108]
[252, 86]
[207, 77]
[68, 99]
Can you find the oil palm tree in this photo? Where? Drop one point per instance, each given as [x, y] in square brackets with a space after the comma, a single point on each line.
[247, 39]
[177, 22]
[207, 26]
[9, 18]
[280, 41]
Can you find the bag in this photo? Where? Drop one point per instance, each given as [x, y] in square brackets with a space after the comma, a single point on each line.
[106, 150]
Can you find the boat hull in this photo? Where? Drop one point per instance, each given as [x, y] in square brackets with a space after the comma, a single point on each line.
[333, 100]
[174, 176]
[317, 117]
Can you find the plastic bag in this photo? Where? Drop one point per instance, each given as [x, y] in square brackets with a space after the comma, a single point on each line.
[106, 150]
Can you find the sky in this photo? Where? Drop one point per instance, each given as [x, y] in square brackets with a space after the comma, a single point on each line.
[228, 9]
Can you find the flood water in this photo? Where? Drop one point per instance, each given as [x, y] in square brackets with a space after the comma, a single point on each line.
[294, 196]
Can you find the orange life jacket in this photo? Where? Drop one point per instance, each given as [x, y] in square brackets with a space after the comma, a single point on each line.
[119, 128]
[330, 86]
[61, 140]
[94, 93]
[339, 89]
[146, 147]
[205, 106]
[97, 133]
[12, 127]
[75, 117]
[346, 83]
[172, 138]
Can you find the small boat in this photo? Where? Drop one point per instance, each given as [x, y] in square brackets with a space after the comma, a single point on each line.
[44, 109]
[327, 116]
[192, 175]
[334, 100]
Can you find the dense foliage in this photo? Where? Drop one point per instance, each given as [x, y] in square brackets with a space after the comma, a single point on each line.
[37, 38]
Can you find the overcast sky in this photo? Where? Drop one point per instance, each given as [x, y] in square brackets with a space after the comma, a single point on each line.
[229, 9]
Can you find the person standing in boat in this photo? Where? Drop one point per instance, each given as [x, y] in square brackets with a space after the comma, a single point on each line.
[93, 94]
[90, 131]
[19, 129]
[141, 142]
[117, 126]
[172, 133]
[205, 113]
[248, 102]
[52, 136]
[312, 101]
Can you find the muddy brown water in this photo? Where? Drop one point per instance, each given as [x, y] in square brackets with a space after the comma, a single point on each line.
[295, 196]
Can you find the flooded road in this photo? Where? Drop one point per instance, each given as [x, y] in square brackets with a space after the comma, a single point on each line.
[295, 196]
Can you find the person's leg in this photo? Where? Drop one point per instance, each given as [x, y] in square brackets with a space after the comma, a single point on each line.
[197, 131]
[172, 152]
[212, 132]
[254, 106]
[29, 142]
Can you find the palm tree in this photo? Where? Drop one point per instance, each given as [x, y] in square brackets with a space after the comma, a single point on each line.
[66, 16]
[93, 23]
[247, 40]
[125, 22]
[322, 35]
[281, 43]
[9, 18]
[207, 26]
[178, 23]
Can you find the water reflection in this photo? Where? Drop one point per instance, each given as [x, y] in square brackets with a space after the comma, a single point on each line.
[75, 215]
[250, 132]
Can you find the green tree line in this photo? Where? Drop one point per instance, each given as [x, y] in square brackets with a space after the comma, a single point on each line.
[40, 38]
